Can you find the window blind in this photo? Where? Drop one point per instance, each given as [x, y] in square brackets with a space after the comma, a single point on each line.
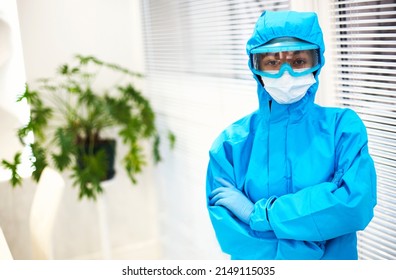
[364, 40]
[202, 37]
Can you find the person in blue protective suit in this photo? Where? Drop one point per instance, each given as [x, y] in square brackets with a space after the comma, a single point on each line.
[292, 180]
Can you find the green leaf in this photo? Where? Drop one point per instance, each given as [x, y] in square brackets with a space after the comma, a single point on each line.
[156, 152]
[16, 179]
[172, 139]
[65, 140]
[134, 161]
[119, 109]
[39, 160]
[31, 97]
[39, 118]
[90, 173]
[63, 69]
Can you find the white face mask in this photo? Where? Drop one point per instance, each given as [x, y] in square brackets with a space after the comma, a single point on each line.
[288, 89]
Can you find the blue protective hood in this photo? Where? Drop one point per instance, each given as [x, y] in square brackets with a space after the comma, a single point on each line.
[301, 25]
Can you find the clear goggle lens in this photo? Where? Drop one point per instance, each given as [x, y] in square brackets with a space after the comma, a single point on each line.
[274, 64]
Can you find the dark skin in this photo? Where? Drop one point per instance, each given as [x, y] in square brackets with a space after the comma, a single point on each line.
[296, 59]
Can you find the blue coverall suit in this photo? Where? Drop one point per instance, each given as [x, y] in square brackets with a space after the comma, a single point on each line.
[306, 168]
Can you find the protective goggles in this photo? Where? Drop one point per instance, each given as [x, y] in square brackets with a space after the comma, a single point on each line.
[285, 54]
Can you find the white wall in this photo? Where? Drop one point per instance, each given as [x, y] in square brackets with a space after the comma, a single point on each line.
[12, 79]
[13, 203]
[12, 76]
[52, 32]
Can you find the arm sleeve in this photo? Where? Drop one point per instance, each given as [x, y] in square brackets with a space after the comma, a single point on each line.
[235, 237]
[238, 239]
[335, 208]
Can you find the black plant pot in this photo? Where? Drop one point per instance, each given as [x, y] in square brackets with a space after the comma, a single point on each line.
[109, 148]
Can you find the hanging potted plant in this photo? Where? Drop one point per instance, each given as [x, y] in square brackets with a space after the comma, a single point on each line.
[70, 115]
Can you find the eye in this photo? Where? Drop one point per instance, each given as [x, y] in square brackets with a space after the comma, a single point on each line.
[299, 62]
[271, 62]
[268, 64]
[302, 59]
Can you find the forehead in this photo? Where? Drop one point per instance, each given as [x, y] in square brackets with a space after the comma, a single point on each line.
[287, 54]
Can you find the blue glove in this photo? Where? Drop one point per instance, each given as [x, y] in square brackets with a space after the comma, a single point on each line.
[233, 199]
